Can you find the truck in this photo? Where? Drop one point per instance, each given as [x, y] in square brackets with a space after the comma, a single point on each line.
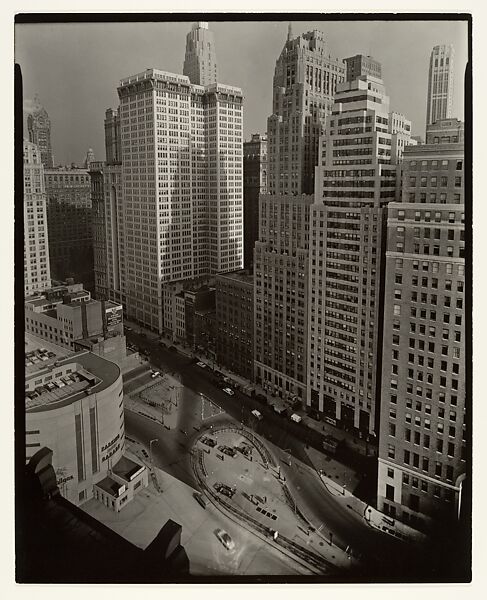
[296, 418]
[257, 415]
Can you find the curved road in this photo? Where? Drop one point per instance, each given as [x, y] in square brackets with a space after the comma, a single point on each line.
[382, 556]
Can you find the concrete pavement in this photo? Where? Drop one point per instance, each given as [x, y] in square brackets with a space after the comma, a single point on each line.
[141, 520]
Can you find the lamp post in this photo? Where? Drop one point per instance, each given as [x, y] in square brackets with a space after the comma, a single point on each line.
[155, 440]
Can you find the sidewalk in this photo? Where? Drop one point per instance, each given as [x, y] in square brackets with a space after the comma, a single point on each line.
[342, 488]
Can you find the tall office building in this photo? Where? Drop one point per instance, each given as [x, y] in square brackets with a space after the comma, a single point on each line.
[360, 65]
[181, 151]
[107, 216]
[281, 294]
[440, 84]
[422, 447]
[89, 158]
[37, 275]
[39, 130]
[254, 184]
[355, 183]
[400, 130]
[69, 221]
[200, 57]
[305, 79]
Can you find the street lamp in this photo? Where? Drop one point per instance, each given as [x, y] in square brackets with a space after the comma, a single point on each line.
[150, 449]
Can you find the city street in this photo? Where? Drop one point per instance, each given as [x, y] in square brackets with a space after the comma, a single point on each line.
[333, 519]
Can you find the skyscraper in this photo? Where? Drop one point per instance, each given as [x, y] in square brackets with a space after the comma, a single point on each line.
[305, 79]
[107, 215]
[69, 221]
[181, 151]
[37, 275]
[422, 447]
[355, 183]
[39, 130]
[359, 65]
[440, 84]
[254, 184]
[200, 57]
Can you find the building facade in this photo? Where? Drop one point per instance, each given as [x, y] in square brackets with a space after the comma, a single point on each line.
[440, 84]
[200, 57]
[37, 275]
[400, 130]
[74, 406]
[305, 79]
[422, 449]
[360, 65]
[181, 149]
[281, 295]
[69, 220]
[108, 215]
[39, 132]
[235, 322]
[254, 184]
[356, 181]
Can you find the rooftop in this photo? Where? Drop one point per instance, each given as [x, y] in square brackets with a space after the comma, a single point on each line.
[41, 354]
[91, 374]
[241, 275]
[127, 469]
[110, 486]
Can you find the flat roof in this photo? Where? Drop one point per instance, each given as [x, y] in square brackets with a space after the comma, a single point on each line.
[87, 364]
[33, 344]
[242, 275]
[110, 486]
[126, 468]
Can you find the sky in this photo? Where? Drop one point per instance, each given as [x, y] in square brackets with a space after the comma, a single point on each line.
[75, 68]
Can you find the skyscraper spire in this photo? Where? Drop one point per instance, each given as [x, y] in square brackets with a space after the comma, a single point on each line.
[200, 57]
[289, 32]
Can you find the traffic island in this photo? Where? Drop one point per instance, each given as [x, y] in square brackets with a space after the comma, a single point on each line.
[239, 475]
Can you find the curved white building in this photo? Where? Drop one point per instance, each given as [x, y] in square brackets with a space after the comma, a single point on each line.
[74, 406]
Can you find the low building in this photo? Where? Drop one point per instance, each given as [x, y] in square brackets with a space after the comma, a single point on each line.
[235, 322]
[66, 315]
[119, 487]
[74, 406]
[196, 301]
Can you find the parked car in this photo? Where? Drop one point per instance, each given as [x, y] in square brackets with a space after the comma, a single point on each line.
[257, 415]
[296, 418]
[201, 364]
[229, 391]
[200, 499]
[155, 374]
[225, 539]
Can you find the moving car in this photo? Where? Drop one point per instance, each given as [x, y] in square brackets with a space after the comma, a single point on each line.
[225, 539]
[296, 418]
[155, 374]
[228, 391]
[257, 415]
[201, 364]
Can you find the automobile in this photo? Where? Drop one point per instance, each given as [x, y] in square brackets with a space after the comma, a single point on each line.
[229, 391]
[155, 374]
[173, 349]
[200, 499]
[201, 364]
[208, 441]
[296, 418]
[59, 383]
[225, 539]
[127, 328]
[257, 415]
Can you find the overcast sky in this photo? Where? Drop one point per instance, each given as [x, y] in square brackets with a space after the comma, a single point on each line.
[75, 68]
